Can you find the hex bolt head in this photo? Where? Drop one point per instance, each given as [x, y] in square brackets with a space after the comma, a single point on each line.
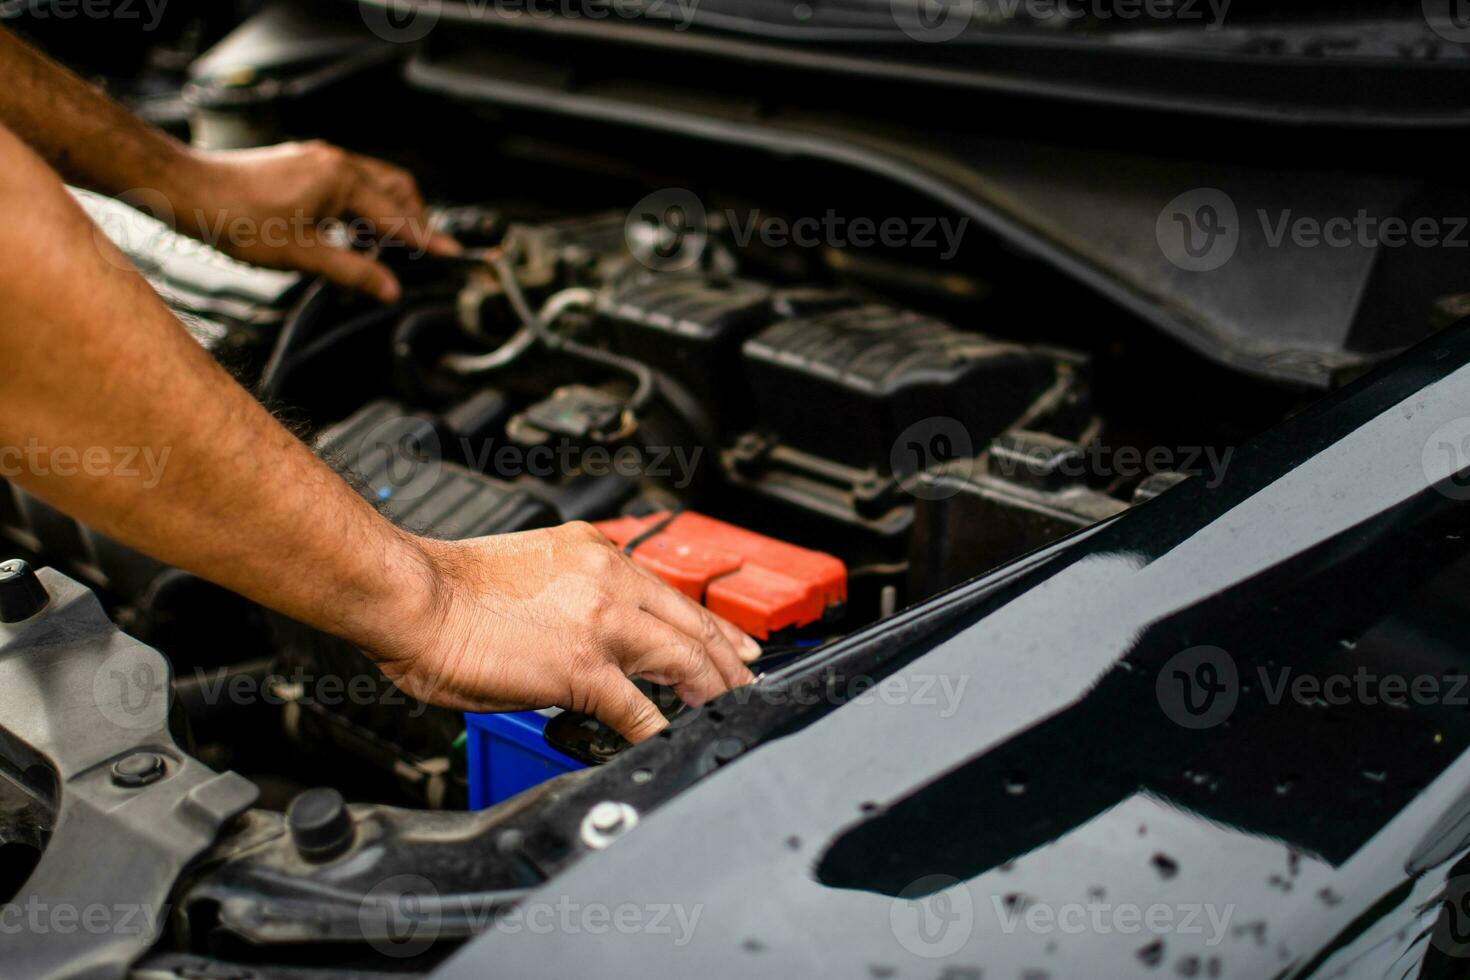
[320, 825]
[21, 593]
[138, 770]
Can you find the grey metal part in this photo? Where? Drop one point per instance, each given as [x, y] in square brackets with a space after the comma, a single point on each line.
[287, 50]
[77, 696]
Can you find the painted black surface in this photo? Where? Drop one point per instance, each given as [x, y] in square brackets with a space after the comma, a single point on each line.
[1327, 839]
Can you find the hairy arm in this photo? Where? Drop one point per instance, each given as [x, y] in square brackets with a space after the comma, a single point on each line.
[265, 206]
[547, 617]
[86, 136]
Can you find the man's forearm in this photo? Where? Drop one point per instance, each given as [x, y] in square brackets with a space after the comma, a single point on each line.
[92, 359]
[86, 136]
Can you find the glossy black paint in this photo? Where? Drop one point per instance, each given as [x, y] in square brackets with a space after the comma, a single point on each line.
[1299, 836]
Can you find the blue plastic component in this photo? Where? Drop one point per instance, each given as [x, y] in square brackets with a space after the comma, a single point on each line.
[506, 755]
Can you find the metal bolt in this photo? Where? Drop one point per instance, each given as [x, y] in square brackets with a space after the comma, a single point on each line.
[606, 822]
[728, 749]
[138, 770]
[606, 817]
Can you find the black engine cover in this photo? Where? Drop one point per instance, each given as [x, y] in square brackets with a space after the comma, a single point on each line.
[845, 383]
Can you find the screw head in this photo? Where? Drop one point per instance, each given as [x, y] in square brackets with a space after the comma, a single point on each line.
[138, 770]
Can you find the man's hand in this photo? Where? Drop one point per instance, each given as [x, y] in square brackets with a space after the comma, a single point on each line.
[557, 617]
[541, 618]
[264, 206]
[268, 207]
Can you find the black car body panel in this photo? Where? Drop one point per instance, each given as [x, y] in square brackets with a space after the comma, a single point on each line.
[1122, 742]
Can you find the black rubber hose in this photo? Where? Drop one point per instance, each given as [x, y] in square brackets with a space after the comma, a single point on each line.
[406, 335]
[333, 337]
[298, 322]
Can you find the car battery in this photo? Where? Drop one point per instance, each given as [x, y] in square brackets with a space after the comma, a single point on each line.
[758, 583]
[506, 754]
[393, 459]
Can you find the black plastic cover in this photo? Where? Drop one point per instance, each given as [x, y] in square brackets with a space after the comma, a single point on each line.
[691, 327]
[394, 459]
[846, 383]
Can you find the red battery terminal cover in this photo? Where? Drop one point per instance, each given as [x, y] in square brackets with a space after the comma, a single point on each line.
[760, 584]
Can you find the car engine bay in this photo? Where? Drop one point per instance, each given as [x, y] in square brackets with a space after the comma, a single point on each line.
[808, 440]
[586, 369]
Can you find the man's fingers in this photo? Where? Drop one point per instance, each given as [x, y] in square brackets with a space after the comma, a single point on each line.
[441, 244]
[349, 269]
[389, 198]
[701, 626]
[617, 703]
[396, 182]
[745, 646]
[652, 649]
